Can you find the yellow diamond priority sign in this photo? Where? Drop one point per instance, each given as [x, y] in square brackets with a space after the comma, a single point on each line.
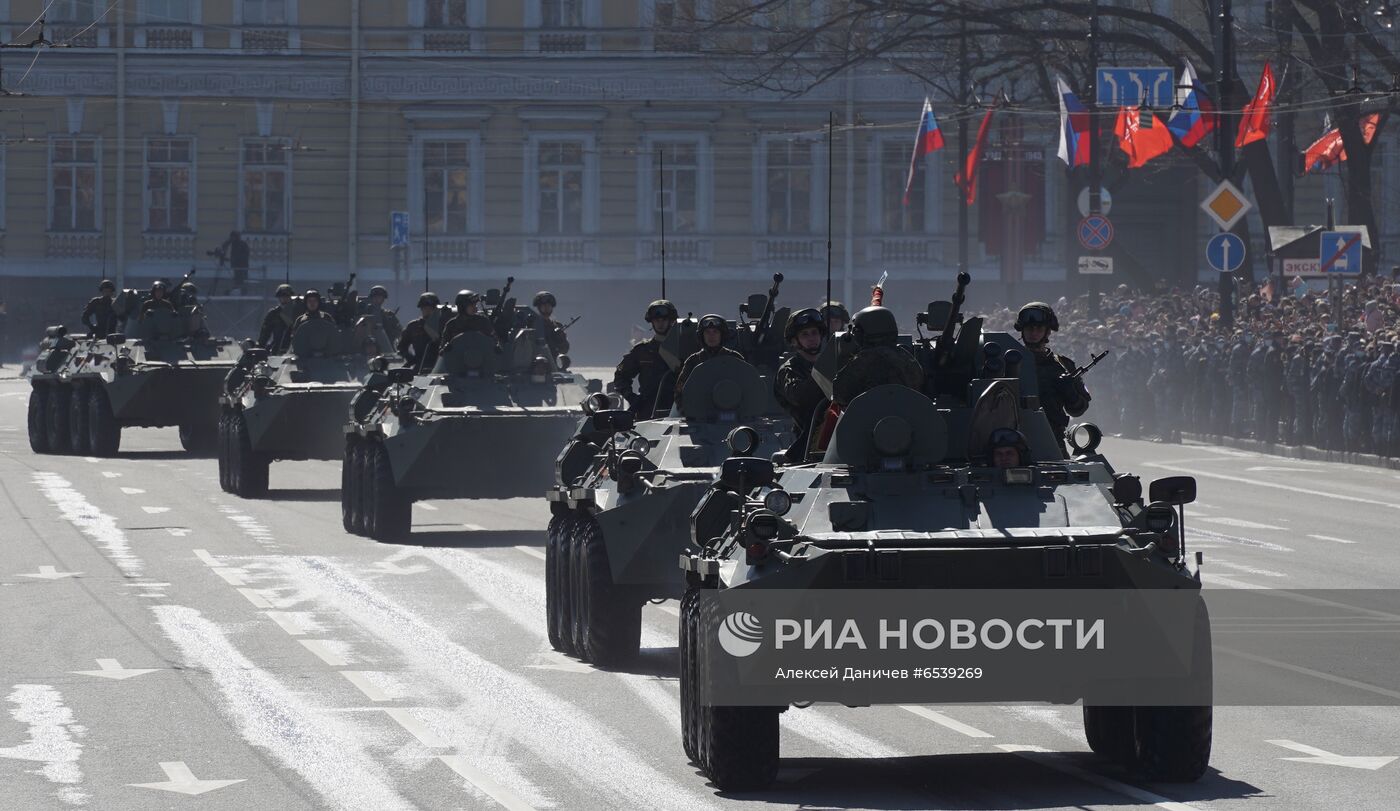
[1226, 205]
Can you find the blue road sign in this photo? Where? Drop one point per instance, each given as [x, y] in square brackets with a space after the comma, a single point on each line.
[1225, 252]
[1340, 253]
[398, 229]
[1130, 87]
[1095, 232]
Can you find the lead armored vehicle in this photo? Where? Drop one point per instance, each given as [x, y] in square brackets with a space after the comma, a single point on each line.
[166, 371]
[905, 497]
[293, 406]
[485, 422]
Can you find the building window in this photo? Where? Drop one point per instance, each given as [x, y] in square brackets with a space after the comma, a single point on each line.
[559, 183]
[169, 172]
[561, 13]
[676, 165]
[788, 185]
[75, 184]
[446, 166]
[74, 11]
[265, 12]
[445, 14]
[168, 12]
[895, 216]
[266, 185]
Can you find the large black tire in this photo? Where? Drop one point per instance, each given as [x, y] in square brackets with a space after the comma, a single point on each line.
[611, 618]
[573, 572]
[1173, 743]
[738, 746]
[78, 438]
[104, 432]
[357, 488]
[57, 421]
[39, 417]
[1109, 731]
[225, 453]
[199, 437]
[249, 468]
[690, 736]
[555, 581]
[390, 515]
[349, 507]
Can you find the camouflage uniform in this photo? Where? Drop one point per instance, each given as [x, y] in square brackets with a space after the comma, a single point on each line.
[1060, 397]
[800, 397]
[875, 366]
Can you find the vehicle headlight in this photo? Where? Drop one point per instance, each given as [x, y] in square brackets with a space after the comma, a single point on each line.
[1160, 518]
[778, 502]
[764, 525]
[639, 444]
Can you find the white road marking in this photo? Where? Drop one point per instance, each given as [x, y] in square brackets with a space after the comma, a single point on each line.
[251, 526]
[503, 796]
[1330, 538]
[1329, 759]
[416, 728]
[232, 576]
[1298, 468]
[550, 659]
[390, 567]
[295, 623]
[325, 749]
[109, 474]
[53, 738]
[1307, 491]
[1194, 534]
[330, 651]
[1236, 522]
[92, 522]
[474, 527]
[1226, 582]
[50, 573]
[1307, 671]
[92, 459]
[949, 723]
[112, 669]
[178, 532]
[532, 552]
[255, 598]
[674, 611]
[369, 688]
[209, 560]
[425, 505]
[1240, 567]
[156, 510]
[1039, 755]
[132, 491]
[180, 780]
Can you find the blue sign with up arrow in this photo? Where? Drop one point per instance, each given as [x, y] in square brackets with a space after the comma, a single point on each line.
[1132, 87]
[1225, 252]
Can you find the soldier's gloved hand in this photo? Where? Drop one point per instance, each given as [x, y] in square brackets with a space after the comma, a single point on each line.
[1071, 389]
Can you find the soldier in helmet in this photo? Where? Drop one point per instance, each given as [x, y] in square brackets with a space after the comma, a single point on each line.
[277, 322]
[836, 317]
[1006, 447]
[419, 339]
[373, 308]
[468, 319]
[158, 299]
[714, 331]
[187, 295]
[99, 316]
[542, 321]
[314, 311]
[793, 386]
[878, 359]
[644, 364]
[1061, 396]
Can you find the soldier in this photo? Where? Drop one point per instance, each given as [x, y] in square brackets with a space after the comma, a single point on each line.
[714, 331]
[419, 340]
[1324, 387]
[1061, 396]
[878, 359]
[1297, 375]
[837, 317]
[157, 301]
[1007, 448]
[644, 364]
[373, 308]
[793, 386]
[312, 302]
[467, 318]
[1269, 390]
[1355, 416]
[1378, 381]
[542, 321]
[1237, 375]
[277, 322]
[98, 316]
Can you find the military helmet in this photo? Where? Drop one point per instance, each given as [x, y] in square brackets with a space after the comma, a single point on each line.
[835, 309]
[159, 284]
[428, 300]
[874, 326]
[379, 290]
[465, 297]
[661, 308]
[106, 284]
[1007, 438]
[542, 297]
[802, 319]
[285, 290]
[188, 288]
[313, 293]
[1037, 313]
[713, 321]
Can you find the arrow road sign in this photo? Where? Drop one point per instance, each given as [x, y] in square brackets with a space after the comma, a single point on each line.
[50, 573]
[1341, 252]
[112, 669]
[1328, 759]
[1130, 87]
[398, 229]
[182, 780]
[1095, 232]
[1225, 252]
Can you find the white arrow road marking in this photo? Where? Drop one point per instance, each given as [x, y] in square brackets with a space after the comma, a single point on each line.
[416, 728]
[156, 510]
[132, 491]
[329, 650]
[1330, 538]
[182, 781]
[1329, 759]
[53, 738]
[112, 669]
[1037, 754]
[49, 573]
[502, 795]
[950, 723]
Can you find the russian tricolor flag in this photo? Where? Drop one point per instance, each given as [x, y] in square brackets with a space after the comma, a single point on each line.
[1193, 117]
[928, 139]
[1074, 127]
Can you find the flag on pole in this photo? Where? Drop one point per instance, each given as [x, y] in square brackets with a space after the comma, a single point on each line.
[1328, 151]
[1193, 116]
[1074, 127]
[1255, 123]
[967, 178]
[928, 139]
[1141, 139]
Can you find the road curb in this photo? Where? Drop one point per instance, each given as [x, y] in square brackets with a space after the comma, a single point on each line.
[1307, 452]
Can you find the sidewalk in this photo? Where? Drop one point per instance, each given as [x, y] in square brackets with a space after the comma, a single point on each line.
[1296, 451]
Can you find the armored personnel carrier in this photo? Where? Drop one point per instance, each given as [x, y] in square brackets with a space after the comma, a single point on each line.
[293, 406]
[904, 497]
[167, 371]
[485, 422]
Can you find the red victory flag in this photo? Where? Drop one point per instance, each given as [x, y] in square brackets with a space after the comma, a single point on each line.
[1327, 151]
[967, 178]
[1141, 140]
[1254, 123]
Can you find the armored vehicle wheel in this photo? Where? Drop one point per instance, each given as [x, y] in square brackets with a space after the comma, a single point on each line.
[1109, 731]
[39, 418]
[357, 487]
[689, 733]
[349, 505]
[78, 438]
[611, 616]
[199, 437]
[248, 468]
[738, 746]
[57, 421]
[1173, 743]
[389, 513]
[225, 448]
[563, 578]
[573, 575]
[104, 432]
[555, 579]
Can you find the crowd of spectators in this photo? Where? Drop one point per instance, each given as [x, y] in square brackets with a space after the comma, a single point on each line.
[1297, 367]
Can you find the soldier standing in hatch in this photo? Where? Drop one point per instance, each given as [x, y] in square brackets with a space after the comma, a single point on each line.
[373, 307]
[312, 301]
[714, 331]
[157, 301]
[467, 318]
[1061, 396]
[420, 337]
[878, 360]
[644, 364]
[837, 317]
[793, 386]
[277, 322]
[98, 316]
[542, 321]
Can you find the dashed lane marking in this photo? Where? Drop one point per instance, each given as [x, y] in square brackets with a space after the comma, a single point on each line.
[1307, 491]
[369, 688]
[156, 510]
[132, 491]
[416, 728]
[328, 650]
[255, 598]
[232, 576]
[1330, 538]
[295, 623]
[1043, 757]
[1307, 671]
[946, 722]
[109, 474]
[1236, 522]
[1226, 582]
[502, 795]
[1240, 567]
[474, 527]
[203, 554]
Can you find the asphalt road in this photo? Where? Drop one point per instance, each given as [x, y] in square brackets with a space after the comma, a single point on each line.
[166, 645]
